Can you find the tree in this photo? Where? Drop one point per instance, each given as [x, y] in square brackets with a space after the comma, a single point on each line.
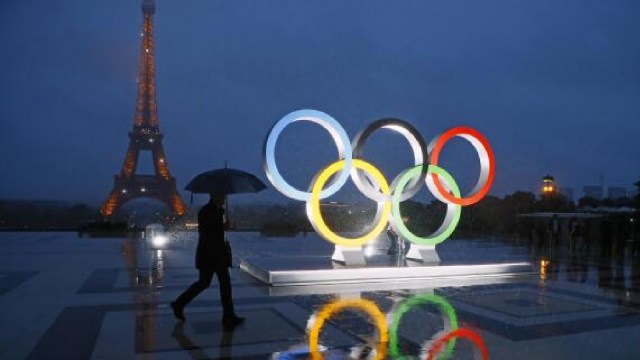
[588, 201]
[555, 203]
[520, 202]
[489, 215]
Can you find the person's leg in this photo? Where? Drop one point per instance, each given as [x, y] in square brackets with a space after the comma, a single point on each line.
[229, 317]
[225, 292]
[196, 288]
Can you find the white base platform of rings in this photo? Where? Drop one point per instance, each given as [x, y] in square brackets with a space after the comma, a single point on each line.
[322, 271]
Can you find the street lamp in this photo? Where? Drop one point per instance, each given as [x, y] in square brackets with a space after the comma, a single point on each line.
[548, 186]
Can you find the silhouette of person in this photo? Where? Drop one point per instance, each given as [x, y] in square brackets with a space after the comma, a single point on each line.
[212, 257]
[553, 228]
[393, 242]
[575, 233]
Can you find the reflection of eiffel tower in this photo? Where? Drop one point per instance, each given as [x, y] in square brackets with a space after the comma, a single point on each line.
[145, 136]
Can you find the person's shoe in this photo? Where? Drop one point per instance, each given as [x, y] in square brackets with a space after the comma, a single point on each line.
[178, 311]
[232, 321]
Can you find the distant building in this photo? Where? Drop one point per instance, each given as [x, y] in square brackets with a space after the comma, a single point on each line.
[592, 191]
[567, 192]
[548, 186]
[617, 192]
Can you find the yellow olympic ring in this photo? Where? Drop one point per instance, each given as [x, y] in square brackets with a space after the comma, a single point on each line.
[366, 306]
[313, 205]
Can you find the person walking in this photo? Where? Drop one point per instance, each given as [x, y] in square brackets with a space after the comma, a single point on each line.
[213, 256]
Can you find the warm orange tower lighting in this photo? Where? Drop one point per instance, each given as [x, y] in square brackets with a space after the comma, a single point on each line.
[548, 185]
[145, 136]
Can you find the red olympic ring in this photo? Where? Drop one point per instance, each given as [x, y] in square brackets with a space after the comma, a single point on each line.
[459, 333]
[487, 164]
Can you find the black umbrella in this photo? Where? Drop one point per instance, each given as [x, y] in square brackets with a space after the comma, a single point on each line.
[225, 181]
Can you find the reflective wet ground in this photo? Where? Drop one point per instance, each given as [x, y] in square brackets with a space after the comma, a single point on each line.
[64, 297]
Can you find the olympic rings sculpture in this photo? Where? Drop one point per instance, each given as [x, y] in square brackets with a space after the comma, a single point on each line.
[388, 334]
[372, 183]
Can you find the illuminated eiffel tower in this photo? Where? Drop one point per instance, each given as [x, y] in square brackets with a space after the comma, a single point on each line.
[145, 136]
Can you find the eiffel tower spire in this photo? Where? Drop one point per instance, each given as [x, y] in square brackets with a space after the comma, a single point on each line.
[145, 136]
[146, 105]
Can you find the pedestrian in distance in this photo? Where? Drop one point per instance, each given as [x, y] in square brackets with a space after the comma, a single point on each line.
[553, 229]
[576, 234]
[213, 256]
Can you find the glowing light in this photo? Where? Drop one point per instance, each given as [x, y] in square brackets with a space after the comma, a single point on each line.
[548, 185]
[369, 251]
[159, 241]
[366, 306]
[145, 122]
[544, 264]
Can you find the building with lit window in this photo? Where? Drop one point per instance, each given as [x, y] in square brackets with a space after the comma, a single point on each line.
[548, 186]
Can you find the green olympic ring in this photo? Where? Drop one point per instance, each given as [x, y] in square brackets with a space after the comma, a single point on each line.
[453, 210]
[445, 307]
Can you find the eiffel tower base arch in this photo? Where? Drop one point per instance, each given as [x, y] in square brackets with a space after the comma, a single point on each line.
[143, 186]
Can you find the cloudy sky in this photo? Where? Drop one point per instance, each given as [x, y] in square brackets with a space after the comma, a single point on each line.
[554, 86]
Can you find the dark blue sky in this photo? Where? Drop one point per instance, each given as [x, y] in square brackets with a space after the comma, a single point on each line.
[554, 85]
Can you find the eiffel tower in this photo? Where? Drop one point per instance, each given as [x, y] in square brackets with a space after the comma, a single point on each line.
[145, 136]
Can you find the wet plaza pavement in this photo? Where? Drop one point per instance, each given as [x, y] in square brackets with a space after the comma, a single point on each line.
[65, 297]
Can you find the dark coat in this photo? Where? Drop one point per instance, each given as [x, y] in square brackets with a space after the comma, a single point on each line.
[211, 251]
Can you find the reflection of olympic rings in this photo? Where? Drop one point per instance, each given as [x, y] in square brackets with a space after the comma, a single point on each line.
[446, 342]
[370, 181]
[329, 310]
[448, 312]
[459, 333]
